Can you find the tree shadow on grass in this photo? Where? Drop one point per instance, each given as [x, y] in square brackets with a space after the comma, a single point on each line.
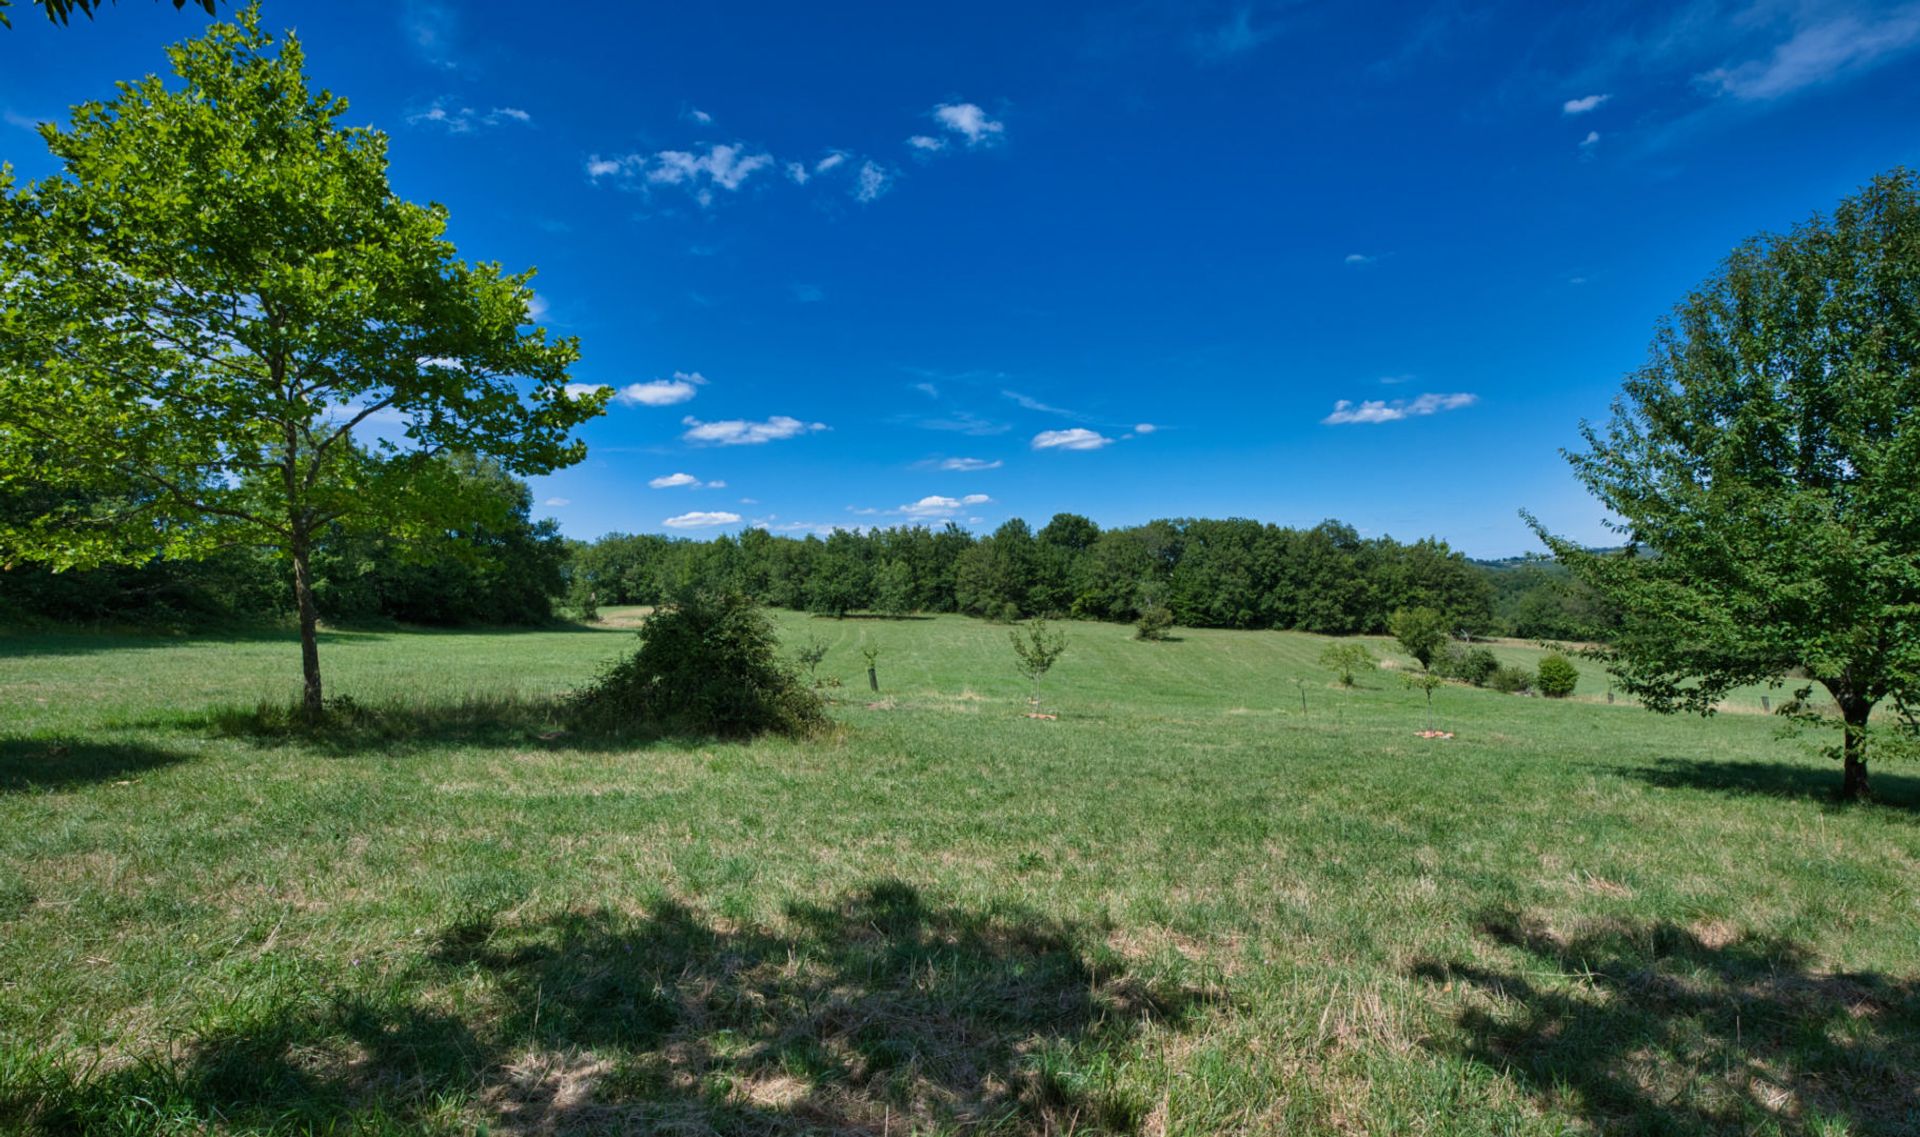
[1655, 1028]
[29, 764]
[1770, 779]
[879, 1013]
[402, 727]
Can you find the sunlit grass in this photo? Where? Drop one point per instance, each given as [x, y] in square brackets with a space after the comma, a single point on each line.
[1185, 906]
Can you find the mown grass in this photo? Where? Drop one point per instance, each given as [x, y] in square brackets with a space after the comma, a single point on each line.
[1184, 906]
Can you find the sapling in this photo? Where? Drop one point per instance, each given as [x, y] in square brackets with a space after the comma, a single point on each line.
[872, 654]
[1346, 658]
[810, 656]
[1036, 653]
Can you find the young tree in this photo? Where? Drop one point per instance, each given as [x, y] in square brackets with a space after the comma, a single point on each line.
[218, 294]
[1344, 658]
[1036, 652]
[1765, 465]
[1421, 631]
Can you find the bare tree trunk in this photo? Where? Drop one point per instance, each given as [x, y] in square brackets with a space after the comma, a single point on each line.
[311, 701]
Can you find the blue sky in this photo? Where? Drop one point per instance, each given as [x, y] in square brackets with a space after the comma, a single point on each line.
[854, 265]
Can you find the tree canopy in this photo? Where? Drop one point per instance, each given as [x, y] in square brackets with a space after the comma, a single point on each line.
[220, 320]
[1765, 467]
[61, 11]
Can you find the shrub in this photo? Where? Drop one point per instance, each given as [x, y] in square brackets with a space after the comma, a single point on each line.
[1511, 680]
[1470, 665]
[1155, 623]
[1422, 632]
[1343, 659]
[1558, 676]
[707, 664]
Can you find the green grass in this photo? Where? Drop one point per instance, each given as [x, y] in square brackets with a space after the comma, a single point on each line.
[1184, 906]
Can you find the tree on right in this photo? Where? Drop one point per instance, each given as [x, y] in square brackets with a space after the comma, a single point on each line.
[1764, 468]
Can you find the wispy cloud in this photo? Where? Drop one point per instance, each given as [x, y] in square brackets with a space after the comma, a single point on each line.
[1237, 35]
[1144, 428]
[1357, 259]
[969, 465]
[466, 120]
[1033, 404]
[429, 28]
[702, 520]
[1588, 143]
[695, 114]
[662, 392]
[872, 181]
[741, 432]
[1078, 438]
[934, 505]
[1829, 47]
[969, 122]
[721, 166]
[558, 502]
[927, 142]
[965, 422]
[1584, 104]
[1383, 410]
[24, 122]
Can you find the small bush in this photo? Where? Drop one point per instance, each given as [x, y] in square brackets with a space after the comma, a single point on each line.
[1155, 623]
[1344, 659]
[1469, 665]
[708, 664]
[1558, 676]
[1511, 680]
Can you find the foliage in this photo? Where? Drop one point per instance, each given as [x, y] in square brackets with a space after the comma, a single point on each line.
[810, 654]
[1038, 650]
[1511, 680]
[1764, 463]
[707, 665]
[1155, 623]
[1422, 632]
[61, 11]
[1557, 676]
[1473, 665]
[893, 589]
[1344, 658]
[217, 296]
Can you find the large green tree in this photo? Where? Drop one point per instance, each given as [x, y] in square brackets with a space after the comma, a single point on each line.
[1765, 467]
[217, 296]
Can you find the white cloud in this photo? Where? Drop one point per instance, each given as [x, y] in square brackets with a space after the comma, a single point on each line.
[465, 120]
[927, 142]
[668, 481]
[970, 122]
[871, 182]
[724, 166]
[927, 389]
[1360, 259]
[699, 116]
[1033, 404]
[1382, 410]
[578, 390]
[1819, 52]
[716, 484]
[1590, 141]
[537, 308]
[1079, 438]
[933, 505]
[970, 465]
[739, 432]
[559, 502]
[1583, 105]
[662, 392]
[831, 161]
[1145, 428]
[798, 172]
[702, 520]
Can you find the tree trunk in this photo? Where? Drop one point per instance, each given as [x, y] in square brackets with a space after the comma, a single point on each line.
[1853, 780]
[311, 701]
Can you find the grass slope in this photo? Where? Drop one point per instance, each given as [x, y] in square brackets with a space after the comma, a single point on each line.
[1185, 907]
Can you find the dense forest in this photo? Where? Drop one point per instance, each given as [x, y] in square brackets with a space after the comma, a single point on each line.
[1233, 573]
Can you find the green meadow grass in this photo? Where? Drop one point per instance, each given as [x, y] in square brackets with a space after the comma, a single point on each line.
[1183, 906]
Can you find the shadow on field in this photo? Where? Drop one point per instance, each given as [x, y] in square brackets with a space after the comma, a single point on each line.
[1772, 779]
[880, 1013]
[59, 763]
[1655, 1028]
[402, 727]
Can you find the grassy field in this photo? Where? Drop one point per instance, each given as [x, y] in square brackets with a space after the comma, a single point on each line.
[1185, 906]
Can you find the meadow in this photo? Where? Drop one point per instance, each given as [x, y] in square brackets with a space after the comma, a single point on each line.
[1216, 894]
